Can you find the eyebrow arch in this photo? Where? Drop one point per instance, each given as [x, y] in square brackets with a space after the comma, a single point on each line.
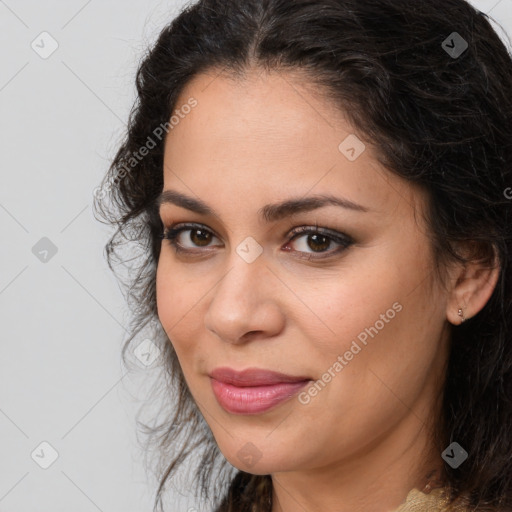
[269, 212]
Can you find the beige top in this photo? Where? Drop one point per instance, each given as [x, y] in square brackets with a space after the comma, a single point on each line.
[435, 501]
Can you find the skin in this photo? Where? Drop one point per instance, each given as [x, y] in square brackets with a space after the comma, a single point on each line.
[363, 441]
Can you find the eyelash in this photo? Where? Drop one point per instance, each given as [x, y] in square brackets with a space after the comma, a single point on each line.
[171, 234]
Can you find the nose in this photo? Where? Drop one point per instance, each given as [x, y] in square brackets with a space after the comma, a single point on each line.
[246, 303]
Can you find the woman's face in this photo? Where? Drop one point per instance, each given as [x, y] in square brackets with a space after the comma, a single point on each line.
[364, 321]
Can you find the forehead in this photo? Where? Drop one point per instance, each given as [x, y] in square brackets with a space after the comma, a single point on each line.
[261, 107]
[271, 134]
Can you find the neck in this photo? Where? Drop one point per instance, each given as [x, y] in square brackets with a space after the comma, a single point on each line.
[377, 480]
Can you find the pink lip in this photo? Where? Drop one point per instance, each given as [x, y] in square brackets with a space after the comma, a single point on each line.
[253, 390]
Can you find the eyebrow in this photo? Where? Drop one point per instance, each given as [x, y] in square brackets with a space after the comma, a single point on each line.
[270, 212]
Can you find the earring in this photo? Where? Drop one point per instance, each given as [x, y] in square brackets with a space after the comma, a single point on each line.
[461, 314]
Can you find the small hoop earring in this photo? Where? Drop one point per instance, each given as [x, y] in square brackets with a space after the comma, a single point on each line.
[461, 314]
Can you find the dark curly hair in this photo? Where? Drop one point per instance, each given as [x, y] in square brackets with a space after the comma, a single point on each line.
[439, 119]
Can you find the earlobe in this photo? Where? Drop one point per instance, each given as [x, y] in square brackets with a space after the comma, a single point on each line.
[472, 290]
[461, 314]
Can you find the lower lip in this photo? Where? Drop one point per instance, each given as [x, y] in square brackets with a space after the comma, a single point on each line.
[254, 400]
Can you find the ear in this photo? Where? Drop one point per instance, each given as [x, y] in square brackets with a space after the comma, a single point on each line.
[471, 287]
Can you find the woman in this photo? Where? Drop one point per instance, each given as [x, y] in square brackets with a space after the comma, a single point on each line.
[321, 194]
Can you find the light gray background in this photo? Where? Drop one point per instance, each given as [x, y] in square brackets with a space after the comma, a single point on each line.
[63, 321]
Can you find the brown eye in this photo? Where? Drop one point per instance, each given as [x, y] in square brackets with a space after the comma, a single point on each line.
[318, 241]
[200, 237]
[315, 246]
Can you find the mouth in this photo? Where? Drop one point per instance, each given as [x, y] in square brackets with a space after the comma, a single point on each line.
[254, 390]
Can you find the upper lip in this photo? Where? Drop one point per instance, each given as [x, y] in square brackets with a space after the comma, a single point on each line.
[253, 377]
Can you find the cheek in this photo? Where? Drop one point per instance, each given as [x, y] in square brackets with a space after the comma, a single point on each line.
[177, 304]
[345, 306]
[373, 352]
[379, 320]
[164, 296]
